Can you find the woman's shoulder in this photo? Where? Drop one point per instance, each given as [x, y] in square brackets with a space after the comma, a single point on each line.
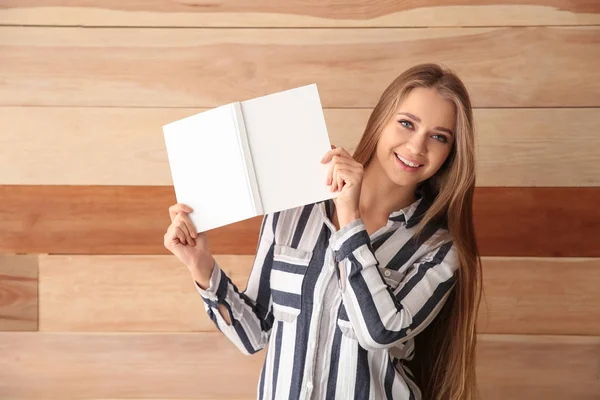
[298, 210]
[288, 221]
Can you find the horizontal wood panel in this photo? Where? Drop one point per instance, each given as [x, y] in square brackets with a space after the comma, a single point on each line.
[202, 366]
[538, 367]
[156, 293]
[126, 293]
[357, 13]
[92, 366]
[553, 296]
[544, 222]
[501, 67]
[125, 146]
[536, 222]
[18, 292]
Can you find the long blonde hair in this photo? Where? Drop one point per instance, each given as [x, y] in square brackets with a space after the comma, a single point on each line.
[444, 362]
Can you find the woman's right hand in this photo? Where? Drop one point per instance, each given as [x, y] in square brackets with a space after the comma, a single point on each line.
[189, 246]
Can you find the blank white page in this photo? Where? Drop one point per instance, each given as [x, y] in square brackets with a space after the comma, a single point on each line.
[207, 168]
[288, 137]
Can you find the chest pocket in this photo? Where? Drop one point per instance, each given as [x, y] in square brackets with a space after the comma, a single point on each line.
[287, 276]
[391, 277]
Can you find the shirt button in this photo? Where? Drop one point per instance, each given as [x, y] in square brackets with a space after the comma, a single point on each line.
[309, 385]
[387, 272]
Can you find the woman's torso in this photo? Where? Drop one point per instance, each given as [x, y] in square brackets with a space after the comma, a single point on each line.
[313, 352]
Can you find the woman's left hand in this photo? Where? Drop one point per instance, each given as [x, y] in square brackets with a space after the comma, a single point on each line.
[345, 175]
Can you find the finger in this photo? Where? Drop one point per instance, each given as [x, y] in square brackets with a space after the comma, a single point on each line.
[341, 159]
[180, 235]
[334, 178]
[328, 154]
[336, 151]
[171, 236]
[350, 176]
[340, 181]
[168, 238]
[330, 174]
[189, 225]
[181, 225]
[336, 160]
[177, 208]
[187, 238]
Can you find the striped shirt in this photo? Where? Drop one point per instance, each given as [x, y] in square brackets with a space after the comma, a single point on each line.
[337, 310]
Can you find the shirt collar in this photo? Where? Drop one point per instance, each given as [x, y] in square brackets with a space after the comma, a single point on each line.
[407, 213]
[411, 214]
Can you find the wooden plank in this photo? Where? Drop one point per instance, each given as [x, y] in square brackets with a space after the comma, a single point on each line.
[527, 222]
[92, 366]
[359, 13]
[502, 67]
[537, 222]
[538, 367]
[125, 146]
[156, 293]
[126, 293]
[187, 366]
[18, 292]
[550, 296]
[534, 152]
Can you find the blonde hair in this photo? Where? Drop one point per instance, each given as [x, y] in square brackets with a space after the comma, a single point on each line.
[444, 362]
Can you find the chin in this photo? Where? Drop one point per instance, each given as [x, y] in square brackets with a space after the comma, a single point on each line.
[401, 179]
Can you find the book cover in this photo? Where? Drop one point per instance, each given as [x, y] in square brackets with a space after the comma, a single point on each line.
[249, 158]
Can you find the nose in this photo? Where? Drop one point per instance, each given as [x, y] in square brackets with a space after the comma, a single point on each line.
[416, 144]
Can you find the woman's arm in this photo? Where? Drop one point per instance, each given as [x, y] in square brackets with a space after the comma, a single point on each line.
[380, 315]
[248, 315]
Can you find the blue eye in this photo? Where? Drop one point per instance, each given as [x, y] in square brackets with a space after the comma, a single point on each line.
[443, 138]
[403, 121]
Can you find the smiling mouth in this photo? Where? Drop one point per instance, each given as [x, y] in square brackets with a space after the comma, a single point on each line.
[407, 163]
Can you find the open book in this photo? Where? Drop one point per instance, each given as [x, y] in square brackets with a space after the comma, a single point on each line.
[250, 158]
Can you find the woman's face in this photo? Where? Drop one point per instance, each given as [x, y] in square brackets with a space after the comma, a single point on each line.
[422, 132]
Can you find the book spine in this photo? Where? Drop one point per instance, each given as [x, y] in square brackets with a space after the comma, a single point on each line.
[253, 189]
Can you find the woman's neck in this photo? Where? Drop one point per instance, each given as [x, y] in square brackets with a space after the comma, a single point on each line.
[379, 196]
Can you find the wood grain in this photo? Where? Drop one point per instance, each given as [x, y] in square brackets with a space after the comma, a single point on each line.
[357, 13]
[538, 367]
[528, 222]
[537, 222]
[156, 293]
[202, 366]
[126, 293]
[547, 296]
[18, 292]
[501, 67]
[92, 366]
[125, 146]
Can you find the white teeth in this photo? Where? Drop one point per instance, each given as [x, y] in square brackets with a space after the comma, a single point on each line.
[410, 164]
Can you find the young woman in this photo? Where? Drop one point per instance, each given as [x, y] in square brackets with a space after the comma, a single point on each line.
[373, 294]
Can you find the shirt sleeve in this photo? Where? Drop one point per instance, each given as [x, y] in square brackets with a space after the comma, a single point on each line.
[380, 315]
[250, 311]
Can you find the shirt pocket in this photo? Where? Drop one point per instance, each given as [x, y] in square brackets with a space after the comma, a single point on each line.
[287, 275]
[391, 277]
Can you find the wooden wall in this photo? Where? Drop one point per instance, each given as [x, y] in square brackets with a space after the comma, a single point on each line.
[91, 304]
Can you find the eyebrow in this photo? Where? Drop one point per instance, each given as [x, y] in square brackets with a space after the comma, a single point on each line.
[437, 128]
